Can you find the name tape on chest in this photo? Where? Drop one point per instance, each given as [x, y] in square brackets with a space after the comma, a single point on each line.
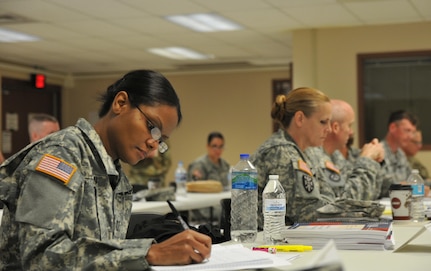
[56, 168]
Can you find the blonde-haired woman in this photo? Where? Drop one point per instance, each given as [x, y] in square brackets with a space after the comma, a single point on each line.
[304, 115]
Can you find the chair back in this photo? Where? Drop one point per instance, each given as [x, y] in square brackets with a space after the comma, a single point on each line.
[225, 217]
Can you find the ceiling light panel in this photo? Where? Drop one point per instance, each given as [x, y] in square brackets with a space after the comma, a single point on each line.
[13, 36]
[179, 53]
[204, 22]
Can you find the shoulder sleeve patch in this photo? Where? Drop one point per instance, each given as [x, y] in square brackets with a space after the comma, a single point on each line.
[304, 167]
[329, 165]
[56, 168]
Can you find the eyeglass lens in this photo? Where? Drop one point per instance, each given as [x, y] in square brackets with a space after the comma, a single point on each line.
[156, 134]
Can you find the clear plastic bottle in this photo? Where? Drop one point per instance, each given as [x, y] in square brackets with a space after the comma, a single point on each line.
[417, 209]
[181, 180]
[274, 210]
[244, 201]
[229, 180]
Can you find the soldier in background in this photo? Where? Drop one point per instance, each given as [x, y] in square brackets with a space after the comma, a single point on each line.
[337, 168]
[211, 166]
[304, 115]
[41, 125]
[152, 168]
[349, 151]
[400, 132]
[411, 149]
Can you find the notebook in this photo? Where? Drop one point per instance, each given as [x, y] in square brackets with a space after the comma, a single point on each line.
[233, 257]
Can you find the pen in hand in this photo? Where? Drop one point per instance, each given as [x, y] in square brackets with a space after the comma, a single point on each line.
[183, 223]
[175, 212]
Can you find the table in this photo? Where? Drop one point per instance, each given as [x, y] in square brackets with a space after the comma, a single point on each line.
[414, 257]
[191, 201]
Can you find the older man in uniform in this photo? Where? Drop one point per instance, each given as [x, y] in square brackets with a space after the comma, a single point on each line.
[329, 156]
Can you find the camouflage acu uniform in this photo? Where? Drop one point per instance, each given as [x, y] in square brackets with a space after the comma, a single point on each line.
[155, 167]
[353, 153]
[347, 166]
[67, 207]
[416, 164]
[306, 185]
[339, 169]
[209, 170]
[396, 168]
[334, 177]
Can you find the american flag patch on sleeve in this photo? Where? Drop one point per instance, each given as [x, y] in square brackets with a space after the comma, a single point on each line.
[56, 168]
[304, 167]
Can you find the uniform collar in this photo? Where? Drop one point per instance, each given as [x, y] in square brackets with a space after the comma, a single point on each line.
[93, 136]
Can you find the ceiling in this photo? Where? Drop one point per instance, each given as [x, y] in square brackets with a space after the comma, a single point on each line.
[87, 37]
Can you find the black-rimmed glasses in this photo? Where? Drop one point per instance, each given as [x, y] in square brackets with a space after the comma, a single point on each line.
[156, 134]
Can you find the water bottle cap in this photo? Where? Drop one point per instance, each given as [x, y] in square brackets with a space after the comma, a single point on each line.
[273, 177]
[416, 171]
[244, 156]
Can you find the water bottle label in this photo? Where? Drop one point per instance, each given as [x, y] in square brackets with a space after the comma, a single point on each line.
[181, 178]
[245, 181]
[275, 205]
[418, 190]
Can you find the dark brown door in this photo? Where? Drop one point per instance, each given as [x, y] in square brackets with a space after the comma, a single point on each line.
[19, 99]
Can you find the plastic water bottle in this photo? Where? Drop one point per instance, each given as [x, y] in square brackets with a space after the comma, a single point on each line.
[274, 210]
[181, 180]
[229, 180]
[417, 211]
[244, 201]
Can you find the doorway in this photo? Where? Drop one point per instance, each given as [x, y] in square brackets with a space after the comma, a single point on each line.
[19, 99]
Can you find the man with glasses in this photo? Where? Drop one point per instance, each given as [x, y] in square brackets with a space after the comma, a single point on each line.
[401, 129]
[67, 200]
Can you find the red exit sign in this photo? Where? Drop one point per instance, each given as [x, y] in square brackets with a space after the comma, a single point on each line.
[38, 80]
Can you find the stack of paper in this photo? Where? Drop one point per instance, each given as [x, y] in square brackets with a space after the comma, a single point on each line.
[233, 257]
[346, 235]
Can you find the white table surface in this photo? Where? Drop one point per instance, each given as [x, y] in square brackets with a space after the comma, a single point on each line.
[415, 257]
[191, 201]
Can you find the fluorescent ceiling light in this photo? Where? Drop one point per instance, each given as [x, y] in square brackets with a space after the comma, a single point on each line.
[204, 22]
[178, 53]
[12, 36]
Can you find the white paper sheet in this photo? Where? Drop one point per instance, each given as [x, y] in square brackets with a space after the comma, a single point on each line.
[234, 257]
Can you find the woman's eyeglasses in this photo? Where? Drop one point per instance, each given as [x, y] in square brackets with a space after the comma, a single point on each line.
[217, 147]
[156, 134]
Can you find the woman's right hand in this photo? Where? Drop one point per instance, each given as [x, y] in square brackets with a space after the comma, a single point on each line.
[183, 248]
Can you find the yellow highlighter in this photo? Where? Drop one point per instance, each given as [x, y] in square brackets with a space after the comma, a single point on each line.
[289, 248]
